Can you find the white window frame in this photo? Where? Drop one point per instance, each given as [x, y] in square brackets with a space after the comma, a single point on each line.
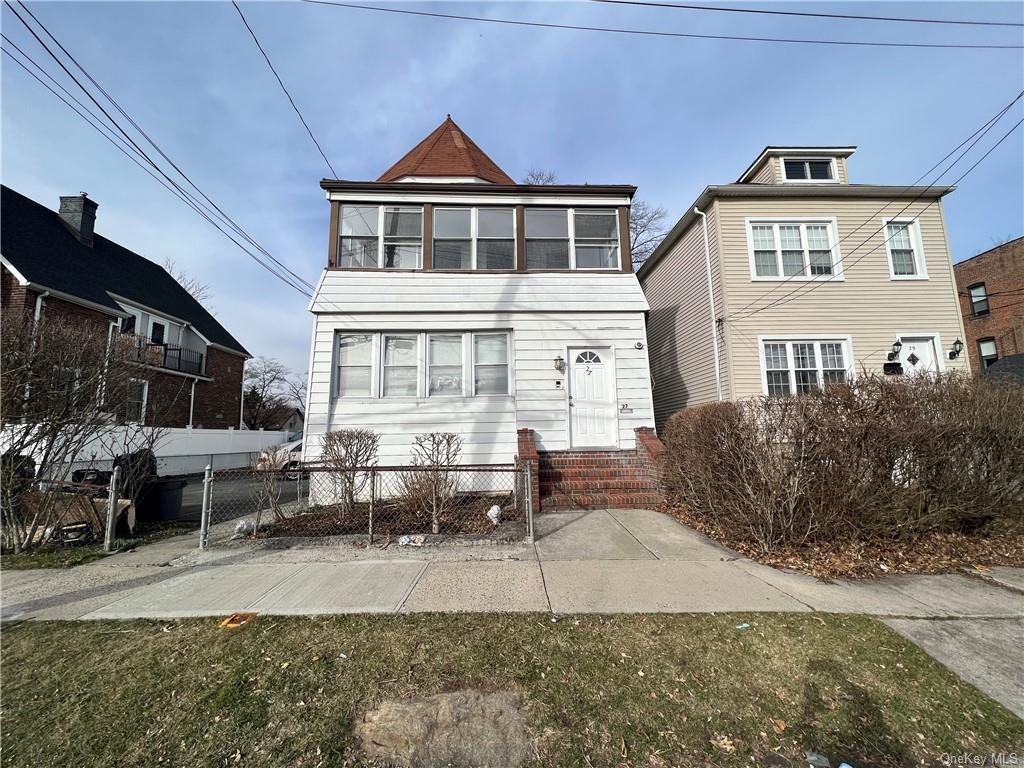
[833, 166]
[474, 235]
[833, 239]
[571, 213]
[982, 357]
[920, 263]
[814, 338]
[380, 232]
[145, 400]
[377, 341]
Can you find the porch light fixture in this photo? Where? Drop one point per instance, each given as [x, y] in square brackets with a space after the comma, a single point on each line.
[896, 347]
[958, 347]
[559, 363]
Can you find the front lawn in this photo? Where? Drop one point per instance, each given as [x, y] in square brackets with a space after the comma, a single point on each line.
[626, 690]
[53, 556]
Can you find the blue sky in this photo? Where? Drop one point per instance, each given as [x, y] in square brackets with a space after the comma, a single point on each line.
[669, 115]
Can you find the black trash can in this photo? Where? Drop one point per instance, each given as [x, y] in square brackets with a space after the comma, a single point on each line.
[160, 499]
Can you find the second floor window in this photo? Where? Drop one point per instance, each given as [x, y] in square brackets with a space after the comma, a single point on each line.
[564, 238]
[903, 245]
[381, 236]
[792, 249]
[979, 299]
[474, 238]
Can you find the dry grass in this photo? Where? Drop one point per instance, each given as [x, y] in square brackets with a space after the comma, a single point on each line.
[602, 691]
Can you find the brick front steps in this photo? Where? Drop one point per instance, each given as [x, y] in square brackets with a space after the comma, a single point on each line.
[596, 480]
[600, 501]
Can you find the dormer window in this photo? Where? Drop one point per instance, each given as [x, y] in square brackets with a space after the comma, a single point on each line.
[809, 170]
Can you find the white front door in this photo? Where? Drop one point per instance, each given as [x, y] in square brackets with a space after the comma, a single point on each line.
[592, 422]
[918, 355]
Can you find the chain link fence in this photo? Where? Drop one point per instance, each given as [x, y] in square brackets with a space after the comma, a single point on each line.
[406, 505]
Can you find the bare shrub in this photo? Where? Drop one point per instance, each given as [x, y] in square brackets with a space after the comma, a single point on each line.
[349, 452]
[877, 458]
[269, 470]
[429, 488]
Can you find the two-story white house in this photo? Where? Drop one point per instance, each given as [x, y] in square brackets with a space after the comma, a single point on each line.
[456, 300]
[793, 277]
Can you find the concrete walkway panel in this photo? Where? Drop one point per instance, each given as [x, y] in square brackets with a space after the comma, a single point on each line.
[585, 535]
[950, 595]
[212, 591]
[668, 539]
[657, 587]
[1010, 577]
[363, 587]
[988, 653]
[480, 586]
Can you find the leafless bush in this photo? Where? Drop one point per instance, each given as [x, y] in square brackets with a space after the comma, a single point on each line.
[266, 493]
[876, 458]
[348, 452]
[429, 487]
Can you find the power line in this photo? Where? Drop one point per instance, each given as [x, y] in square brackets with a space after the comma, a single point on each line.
[655, 33]
[976, 136]
[283, 88]
[791, 296]
[294, 281]
[902, 19]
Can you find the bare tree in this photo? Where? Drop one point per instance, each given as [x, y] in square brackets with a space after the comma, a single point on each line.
[296, 391]
[540, 176]
[646, 229]
[349, 452]
[265, 402]
[200, 291]
[431, 485]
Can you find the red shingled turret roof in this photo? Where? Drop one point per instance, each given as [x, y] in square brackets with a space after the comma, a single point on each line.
[448, 152]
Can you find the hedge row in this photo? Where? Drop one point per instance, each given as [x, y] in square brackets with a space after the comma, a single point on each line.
[876, 458]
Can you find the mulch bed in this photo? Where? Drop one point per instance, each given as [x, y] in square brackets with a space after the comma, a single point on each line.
[855, 559]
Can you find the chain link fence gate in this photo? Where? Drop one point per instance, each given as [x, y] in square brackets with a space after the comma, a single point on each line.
[372, 505]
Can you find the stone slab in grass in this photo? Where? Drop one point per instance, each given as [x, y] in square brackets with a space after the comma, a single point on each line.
[479, 586]
[659, 586]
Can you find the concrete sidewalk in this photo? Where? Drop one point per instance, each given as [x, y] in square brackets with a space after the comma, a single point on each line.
[583, 562]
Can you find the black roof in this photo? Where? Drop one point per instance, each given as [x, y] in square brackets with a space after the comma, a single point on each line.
[35, 241]
[1012, 365]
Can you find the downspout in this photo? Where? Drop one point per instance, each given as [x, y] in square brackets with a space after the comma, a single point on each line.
[711, 300]
[191, 403]
[39, 309]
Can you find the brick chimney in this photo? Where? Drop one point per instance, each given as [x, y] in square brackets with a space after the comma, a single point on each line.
[78, 213]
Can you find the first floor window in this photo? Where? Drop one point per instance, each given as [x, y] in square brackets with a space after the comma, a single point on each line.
[798, 366]
[135, 401]
[987, 352]
[355, 364]
[793, 249]
[444, 364]
[490, 363]
[904, 257]
[979, 299]
[401, 364]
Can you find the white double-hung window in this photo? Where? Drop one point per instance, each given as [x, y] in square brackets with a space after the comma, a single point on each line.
[903, 246]
[422, 365]
[794, 366]
[794, 250]
[381, 236]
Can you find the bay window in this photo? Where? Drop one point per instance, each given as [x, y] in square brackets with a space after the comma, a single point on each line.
[781, 250]
[802, 365]
[381, 236]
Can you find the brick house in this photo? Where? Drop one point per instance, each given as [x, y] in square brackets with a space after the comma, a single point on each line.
[53, 265]
[991, 290]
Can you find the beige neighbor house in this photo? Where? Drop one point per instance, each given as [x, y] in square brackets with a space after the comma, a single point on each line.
[793, 277]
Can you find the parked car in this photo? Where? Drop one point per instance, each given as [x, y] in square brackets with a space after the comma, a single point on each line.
[287, 456]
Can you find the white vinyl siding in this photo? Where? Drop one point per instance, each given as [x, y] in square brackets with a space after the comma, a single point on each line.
[796, 366]
[787, 250]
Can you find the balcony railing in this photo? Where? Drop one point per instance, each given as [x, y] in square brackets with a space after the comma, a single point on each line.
[168, 356]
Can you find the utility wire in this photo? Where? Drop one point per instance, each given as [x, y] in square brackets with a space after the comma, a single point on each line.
[295, 281]
[976, 136]
[334, 174]
[656, 33]
[814, 286]
[721, 9]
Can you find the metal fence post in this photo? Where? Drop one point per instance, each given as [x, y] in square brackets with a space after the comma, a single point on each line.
[373, 498]
[529, 501]
[204, 526]
[108, 538]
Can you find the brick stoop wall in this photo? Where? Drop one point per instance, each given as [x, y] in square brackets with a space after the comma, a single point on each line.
[597, 479]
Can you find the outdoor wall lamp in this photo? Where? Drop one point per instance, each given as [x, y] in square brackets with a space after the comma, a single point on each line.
[896, 347]
[559, 363]
[958, 347]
